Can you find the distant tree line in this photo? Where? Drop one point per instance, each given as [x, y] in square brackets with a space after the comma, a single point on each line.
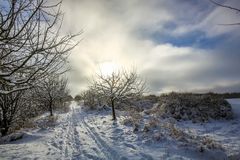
[226, 95]
[213, 94]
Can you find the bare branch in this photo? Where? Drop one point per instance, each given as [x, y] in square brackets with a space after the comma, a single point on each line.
[227, 7]
[31, 46]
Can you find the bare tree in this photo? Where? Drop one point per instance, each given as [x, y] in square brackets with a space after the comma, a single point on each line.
[31, 45]
[89, 98]
[227, 7]
[10, 105]
[17, 107]
[118, 87]
[51, 91]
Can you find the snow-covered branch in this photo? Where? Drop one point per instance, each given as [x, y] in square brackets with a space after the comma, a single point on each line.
[31, 46]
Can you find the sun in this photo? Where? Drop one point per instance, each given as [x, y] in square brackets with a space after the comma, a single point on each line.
[107, 68]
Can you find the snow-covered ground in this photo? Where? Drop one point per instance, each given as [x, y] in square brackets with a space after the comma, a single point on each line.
[92, 135]
[224, 132]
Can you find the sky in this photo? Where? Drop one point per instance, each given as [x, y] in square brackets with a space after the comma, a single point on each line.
[177, 45]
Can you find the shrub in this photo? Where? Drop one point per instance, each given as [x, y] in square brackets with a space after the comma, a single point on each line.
[195, 107]
[133, 119]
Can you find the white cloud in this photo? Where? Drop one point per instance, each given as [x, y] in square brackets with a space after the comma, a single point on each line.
[112, 32]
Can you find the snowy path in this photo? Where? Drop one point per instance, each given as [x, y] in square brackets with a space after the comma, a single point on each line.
[76, 139]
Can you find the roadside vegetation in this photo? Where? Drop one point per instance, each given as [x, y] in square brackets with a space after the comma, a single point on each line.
[33, 60]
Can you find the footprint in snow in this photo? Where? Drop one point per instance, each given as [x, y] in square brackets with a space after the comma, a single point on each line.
[95, 149]
[123, 158]
[146, 156]
[104, 122]
[102, 132]
[90, 156]
[130, 146]
[115, 138]
[118, 130]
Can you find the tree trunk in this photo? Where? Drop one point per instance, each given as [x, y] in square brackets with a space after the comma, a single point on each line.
[4, 131]
[50, 108]
[4, 128]
[113, 110]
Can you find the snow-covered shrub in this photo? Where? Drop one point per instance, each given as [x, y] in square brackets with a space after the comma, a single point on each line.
[141, 103]
[170, 128]
[133, 119]
[176, 132]
[63, 107]
[152, 123]
[20, 124]
[29, 124]
[190, 139]
[152, 98]
[52, 120]
[234, 157]
[198, 108]
[210, 143]
[46, 121]
[158, 136]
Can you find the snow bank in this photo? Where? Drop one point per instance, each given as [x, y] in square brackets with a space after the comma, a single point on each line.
[216, 139]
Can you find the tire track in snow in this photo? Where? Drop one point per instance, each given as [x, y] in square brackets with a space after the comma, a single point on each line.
[109, 152]
[77, 153]
[75, 139]
[122, 142]
[66, 139]
[79, 132]
[63, 137]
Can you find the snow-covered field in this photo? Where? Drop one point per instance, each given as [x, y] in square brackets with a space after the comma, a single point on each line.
[92, 135]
